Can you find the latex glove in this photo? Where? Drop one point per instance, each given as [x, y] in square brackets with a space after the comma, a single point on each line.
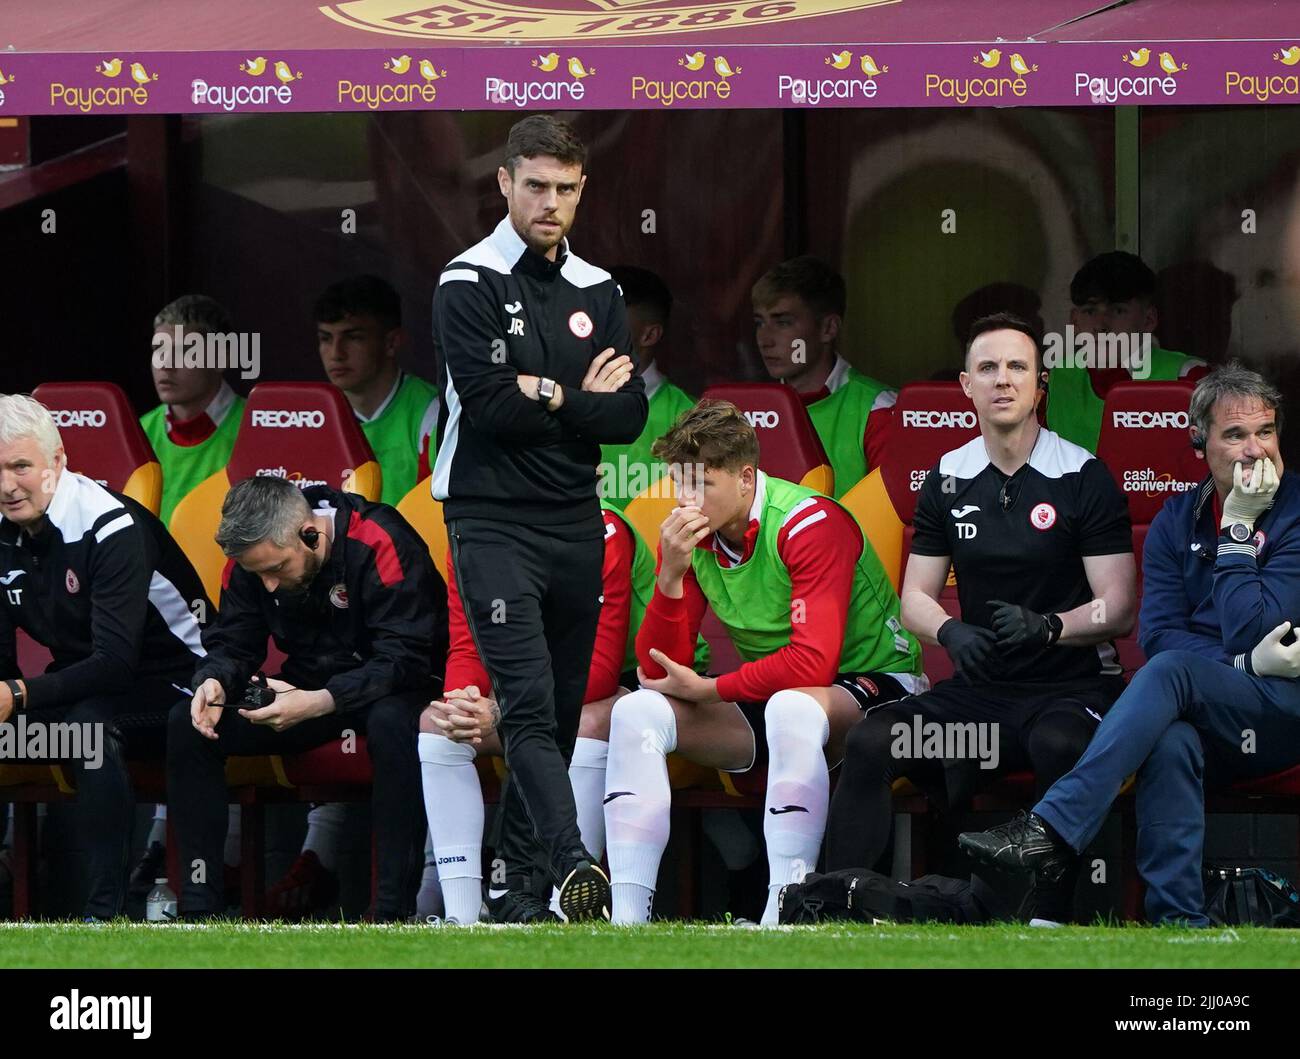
[1269, 658]
[1247, 502]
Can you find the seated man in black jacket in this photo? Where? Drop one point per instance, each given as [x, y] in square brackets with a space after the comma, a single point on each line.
[348, 591]
[94, 577]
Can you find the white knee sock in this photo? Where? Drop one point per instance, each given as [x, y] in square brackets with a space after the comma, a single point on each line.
[798, 790]
[325, 832]
[638, 800]
[158, 829]
[453, 801]
[587, 777]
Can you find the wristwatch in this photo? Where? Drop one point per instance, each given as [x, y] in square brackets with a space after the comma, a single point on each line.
[20, 696]
[1238, 532]
[545, 390]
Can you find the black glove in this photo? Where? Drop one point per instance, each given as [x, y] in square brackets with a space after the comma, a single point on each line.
[1016, 625]
[969, 647]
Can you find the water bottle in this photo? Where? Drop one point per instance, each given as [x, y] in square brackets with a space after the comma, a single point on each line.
[160, 905]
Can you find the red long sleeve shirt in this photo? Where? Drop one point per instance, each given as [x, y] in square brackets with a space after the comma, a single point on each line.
[464, 667]
[820, 546]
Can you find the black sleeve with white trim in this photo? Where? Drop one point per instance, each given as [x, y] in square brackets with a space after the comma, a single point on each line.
[119, 570]
[473, 349]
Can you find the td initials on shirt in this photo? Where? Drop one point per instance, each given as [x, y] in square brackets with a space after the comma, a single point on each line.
[965, 531]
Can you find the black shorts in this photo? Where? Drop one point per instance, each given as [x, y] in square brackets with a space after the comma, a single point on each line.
[869, 690]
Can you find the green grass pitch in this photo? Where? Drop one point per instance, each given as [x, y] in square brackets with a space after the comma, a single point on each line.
[138, 945]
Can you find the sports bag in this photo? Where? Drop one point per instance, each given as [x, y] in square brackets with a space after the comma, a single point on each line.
[866, 896]
[1250, 897]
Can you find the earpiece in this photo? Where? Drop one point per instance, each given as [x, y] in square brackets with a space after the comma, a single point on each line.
[1198, 441]
[310, 536]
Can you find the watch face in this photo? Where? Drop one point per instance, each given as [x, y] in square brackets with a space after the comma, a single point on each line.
[1239, 532]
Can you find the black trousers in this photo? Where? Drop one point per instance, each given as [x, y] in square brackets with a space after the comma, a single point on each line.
[197, 797]
[132, 724]
[532, 601]
[1045, 727]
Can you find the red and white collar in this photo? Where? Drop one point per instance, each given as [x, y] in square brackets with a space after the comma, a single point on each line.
[726, 554]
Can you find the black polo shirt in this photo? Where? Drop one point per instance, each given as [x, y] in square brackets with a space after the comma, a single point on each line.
[1022, 539]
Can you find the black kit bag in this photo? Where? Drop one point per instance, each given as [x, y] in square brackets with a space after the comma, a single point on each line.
[1250, 897]
[865, 896]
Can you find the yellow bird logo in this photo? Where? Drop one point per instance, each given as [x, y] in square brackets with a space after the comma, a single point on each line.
[840, 60]
[109, 67]
[1138, 58]
[140, 75]
[1170, 65]
[692, 62]
[870, 68]
[286, 75]
[578, 70]
[723, 67]
[400, 65]
[428, 72]
[988, 59]
[5, 80]
[547, 63]
[1289, 56]
[1019, 65]
[254, 67]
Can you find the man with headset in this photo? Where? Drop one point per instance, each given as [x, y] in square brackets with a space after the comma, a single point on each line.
[348, 591]
[1038, 534]
[1221, 572]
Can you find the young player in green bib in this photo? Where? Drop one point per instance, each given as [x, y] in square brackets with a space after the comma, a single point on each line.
[193, 430]
[359, 333]
[1113, 295]
[798, 309]
[811, 614]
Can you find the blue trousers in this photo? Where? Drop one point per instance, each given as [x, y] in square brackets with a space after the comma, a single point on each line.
[1183, 720]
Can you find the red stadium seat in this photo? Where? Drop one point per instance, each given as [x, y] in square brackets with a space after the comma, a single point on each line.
[788, 444]
[103, 438]
[930, 418]
[302, 431]
[1145, 443]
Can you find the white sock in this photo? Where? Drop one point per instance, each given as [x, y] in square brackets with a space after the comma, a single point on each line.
[453, 801]
[638, 800]
[587, 777]
[324, 832]
[158, 829]
[234, 828]
[798, 790]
